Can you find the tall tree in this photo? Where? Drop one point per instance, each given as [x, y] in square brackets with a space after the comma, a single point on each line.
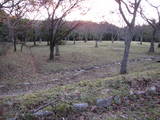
[6, 4]
[128, 7]
[9, 3]
[153, 23]
[57, 11]
[15, 15]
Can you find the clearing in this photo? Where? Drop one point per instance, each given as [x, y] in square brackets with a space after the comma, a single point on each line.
[82, 73]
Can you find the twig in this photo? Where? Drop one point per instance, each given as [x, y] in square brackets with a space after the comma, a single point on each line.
[42, 107]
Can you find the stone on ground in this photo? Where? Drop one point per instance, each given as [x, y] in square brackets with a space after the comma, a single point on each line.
[80, 106]
[42, 113]
[104, 102]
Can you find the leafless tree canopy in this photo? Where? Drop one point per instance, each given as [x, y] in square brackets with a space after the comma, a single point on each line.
[154, 23]
[129, 6]
[9, 3]
[57, 11]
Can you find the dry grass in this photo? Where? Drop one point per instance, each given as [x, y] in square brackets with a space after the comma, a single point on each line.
[81, 54]
[22, 67]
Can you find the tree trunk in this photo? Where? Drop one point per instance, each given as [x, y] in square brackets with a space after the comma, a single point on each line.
[96, 45]
[14, 40]
[85, 39]
[112, 39]
[52, 41]
[15, 46]
[158, 45]
[34, 41]
[74, 41]
[118, 37]
[23, 44]
[11, 37]
[141, 40]
[151, 49]
[128, 40]
[51, 56]
[52, 45]
[57, 53]
[22, 47]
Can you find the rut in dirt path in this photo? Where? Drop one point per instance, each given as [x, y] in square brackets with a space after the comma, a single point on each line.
[66, 77]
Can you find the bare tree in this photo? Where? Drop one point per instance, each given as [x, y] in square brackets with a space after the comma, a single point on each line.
[36, 27]
[15, 15]
[96, 39]
[139, 33]
[57, 11]
[141, 36]
[131, 7]
[153, 23]
[9, 3]
[100, 31]
[114, 33]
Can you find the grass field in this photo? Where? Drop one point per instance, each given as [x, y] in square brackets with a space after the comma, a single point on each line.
[28, 65]
[20, 70]
[31, 66]
[81, 54]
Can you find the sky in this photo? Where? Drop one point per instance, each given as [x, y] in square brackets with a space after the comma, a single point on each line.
[99, 10]
[107, 10]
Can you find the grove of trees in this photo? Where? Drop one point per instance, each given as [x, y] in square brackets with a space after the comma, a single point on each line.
[17, 27]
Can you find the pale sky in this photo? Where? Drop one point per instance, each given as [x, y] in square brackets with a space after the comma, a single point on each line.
[99, 10]
[102, 10]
